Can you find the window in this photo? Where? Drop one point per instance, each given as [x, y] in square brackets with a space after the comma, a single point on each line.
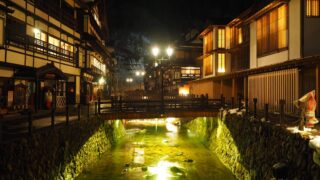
[208, 66]
[272, 31]
[1, 31]
[66, 48]
[208, 43]
[40, 38]
[190, 71]
[221, 38]
[53, 45]
[240, 39]
[221, 63]
[312, 8]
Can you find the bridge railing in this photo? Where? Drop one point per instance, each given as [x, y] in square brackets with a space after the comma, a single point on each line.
[179, 104]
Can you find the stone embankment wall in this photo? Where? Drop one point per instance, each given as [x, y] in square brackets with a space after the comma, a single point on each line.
[60, 153]
[250, 148]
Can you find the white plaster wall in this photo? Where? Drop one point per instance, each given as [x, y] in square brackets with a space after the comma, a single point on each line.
[273, 59]
[294, 29]
[253, 45]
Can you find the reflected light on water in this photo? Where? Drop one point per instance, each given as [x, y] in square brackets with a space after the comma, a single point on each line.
[171, 128]
[162, 170]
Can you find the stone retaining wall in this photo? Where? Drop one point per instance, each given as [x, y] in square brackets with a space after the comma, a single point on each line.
[250, 148]
[60, 153]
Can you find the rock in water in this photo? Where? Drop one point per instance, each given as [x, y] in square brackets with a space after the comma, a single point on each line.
[188, 160]
[144, 168]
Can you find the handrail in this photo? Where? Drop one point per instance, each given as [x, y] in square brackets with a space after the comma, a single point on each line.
[119, 105]
[38, 45]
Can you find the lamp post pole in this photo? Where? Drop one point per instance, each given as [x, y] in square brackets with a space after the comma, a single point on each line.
[155, 52]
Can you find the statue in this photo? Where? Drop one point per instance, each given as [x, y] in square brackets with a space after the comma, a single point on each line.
[307, 104]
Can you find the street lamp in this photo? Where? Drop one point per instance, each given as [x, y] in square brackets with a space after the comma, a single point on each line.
[155, 52]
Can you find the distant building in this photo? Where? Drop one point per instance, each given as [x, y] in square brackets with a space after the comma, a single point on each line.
[49, 48]
[273, 51]
[182, 67]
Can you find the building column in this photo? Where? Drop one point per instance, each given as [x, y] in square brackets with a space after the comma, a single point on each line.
[37, 95]
[317, 89]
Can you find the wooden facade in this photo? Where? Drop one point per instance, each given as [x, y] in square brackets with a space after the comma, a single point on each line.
[270, 88]
[43, 53]
[268, 62]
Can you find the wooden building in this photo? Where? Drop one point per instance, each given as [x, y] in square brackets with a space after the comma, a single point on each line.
[274, 55]
[44, 52]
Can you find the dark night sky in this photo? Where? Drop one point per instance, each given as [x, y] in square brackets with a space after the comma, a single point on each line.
[164, 20]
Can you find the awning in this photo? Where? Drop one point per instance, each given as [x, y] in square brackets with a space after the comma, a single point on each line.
[48, 71]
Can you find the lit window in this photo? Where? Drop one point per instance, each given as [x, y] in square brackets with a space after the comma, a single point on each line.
[282, 27]
[312, 8]
[208, 65]
[40, 37]
[239, 35]
[66, 48]
[53, 45]
[221, 63]
[208, 43]
[272, 31]
[221, 38]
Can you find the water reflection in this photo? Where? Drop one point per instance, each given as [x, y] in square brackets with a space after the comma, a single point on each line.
[157, 149]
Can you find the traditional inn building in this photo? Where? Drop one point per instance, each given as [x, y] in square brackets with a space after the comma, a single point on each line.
[46, 49]
[274, 55]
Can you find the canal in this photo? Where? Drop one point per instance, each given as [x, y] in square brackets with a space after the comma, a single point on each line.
[158, 149]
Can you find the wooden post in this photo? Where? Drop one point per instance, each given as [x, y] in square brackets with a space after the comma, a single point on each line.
[266, 112]
[301, 124]
[30, 121]
[67, 114]
[99, 105]
[239, 102]
[247, 105]
[88, 111]
[207, 100]
[120, 104]
[282, 102]
[96, 104]
[52, 116]
[79, 112]
[222, 100]
[232, 102]
[255, 100]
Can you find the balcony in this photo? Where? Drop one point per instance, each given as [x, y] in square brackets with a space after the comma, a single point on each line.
[39, 46]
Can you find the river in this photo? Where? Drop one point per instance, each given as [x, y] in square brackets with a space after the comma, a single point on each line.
[158, 149]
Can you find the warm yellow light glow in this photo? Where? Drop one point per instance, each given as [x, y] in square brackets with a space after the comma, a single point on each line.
[162, 170]
[156, 64]
[36, 31]
[155, 51]
[137, 73]
[169, 51]
[170, 119]
[184, 91]
[102, 81]
[143, 73]
[221, 63]
[129, 80]
[171, 127]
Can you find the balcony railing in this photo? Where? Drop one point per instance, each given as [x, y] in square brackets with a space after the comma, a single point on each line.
[37, 45]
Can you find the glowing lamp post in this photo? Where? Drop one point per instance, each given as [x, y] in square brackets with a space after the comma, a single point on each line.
[155, 53]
